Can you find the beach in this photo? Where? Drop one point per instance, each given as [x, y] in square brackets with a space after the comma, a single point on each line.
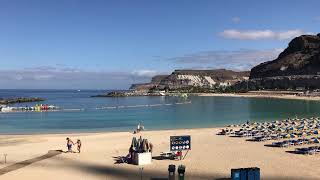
[211, 157]
[260, 95]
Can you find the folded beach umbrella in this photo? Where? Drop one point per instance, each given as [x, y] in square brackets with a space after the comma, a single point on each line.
[144, 145]
[134, 143]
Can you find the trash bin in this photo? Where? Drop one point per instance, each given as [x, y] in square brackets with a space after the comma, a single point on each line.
[254, 173]
[251, 173]
[245, 174]
[172, 171]
[235, 174]
[181, 172]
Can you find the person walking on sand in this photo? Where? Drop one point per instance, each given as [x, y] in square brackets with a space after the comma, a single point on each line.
[79, 145]
[69, 144]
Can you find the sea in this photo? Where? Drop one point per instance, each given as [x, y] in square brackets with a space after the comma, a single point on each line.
[79, 112]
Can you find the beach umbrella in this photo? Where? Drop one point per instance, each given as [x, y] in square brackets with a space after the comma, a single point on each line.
[297, 133]
[292, 136]
[287, 136]
[291, 128]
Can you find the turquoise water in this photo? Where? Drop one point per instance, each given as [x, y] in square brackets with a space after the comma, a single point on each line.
[162, 112]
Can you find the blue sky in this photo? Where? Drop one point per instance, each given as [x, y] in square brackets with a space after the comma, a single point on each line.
[111, 44]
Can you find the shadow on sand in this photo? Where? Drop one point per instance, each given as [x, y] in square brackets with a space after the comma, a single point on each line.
[25, 163]
[115, 171]
[271, 145]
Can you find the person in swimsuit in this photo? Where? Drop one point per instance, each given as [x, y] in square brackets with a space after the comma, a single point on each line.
[78, 145]
[69, 144]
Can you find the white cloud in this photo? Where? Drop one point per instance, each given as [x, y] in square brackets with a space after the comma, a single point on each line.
[235, 19]
[144, 73]
[243, 59]
[261, 34]
[55, 77]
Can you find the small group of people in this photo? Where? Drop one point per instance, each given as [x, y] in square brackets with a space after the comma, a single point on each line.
[70, 143]
[139, 128]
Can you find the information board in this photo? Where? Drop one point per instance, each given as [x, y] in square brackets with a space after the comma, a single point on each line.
[180, 143]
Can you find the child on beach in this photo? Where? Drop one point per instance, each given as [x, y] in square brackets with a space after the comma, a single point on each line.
[69, 144]
[78, 145]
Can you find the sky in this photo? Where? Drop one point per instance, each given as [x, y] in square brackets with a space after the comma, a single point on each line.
[99, 44]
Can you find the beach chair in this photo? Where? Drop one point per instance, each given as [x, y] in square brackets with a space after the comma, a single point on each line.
[167, 155]
[178, 155]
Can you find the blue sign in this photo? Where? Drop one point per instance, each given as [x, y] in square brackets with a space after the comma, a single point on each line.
[180, 143]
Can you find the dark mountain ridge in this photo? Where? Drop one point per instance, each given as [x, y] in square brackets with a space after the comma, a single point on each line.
[301, 57]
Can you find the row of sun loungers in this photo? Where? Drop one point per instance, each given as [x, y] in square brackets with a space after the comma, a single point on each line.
[297, 142]
[294, 132]
[290, 128]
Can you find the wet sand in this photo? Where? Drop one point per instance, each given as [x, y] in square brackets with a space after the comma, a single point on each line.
[256, 95]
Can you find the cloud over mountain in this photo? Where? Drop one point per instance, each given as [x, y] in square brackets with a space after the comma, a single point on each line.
[242, 59]
[261, 34]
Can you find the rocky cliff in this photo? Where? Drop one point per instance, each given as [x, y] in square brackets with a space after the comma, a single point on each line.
[297, 67]
[180, 79]
[147, 86]
[301, 57]
[184, 79]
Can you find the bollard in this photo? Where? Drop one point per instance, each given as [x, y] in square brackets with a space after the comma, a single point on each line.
[5, 158]
[181, 171]
[172, 170]
[141, 171]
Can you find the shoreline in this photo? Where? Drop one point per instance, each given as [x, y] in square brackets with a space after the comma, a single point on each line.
[106, 132]
[254, 95]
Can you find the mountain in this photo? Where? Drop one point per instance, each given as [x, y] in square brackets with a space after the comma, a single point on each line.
[181, 79]
[186, 79]
[297, 67]
[147, 86]
[301, 57]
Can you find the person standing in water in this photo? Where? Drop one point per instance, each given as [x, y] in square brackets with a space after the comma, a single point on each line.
[79, 145]
[69, 144]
